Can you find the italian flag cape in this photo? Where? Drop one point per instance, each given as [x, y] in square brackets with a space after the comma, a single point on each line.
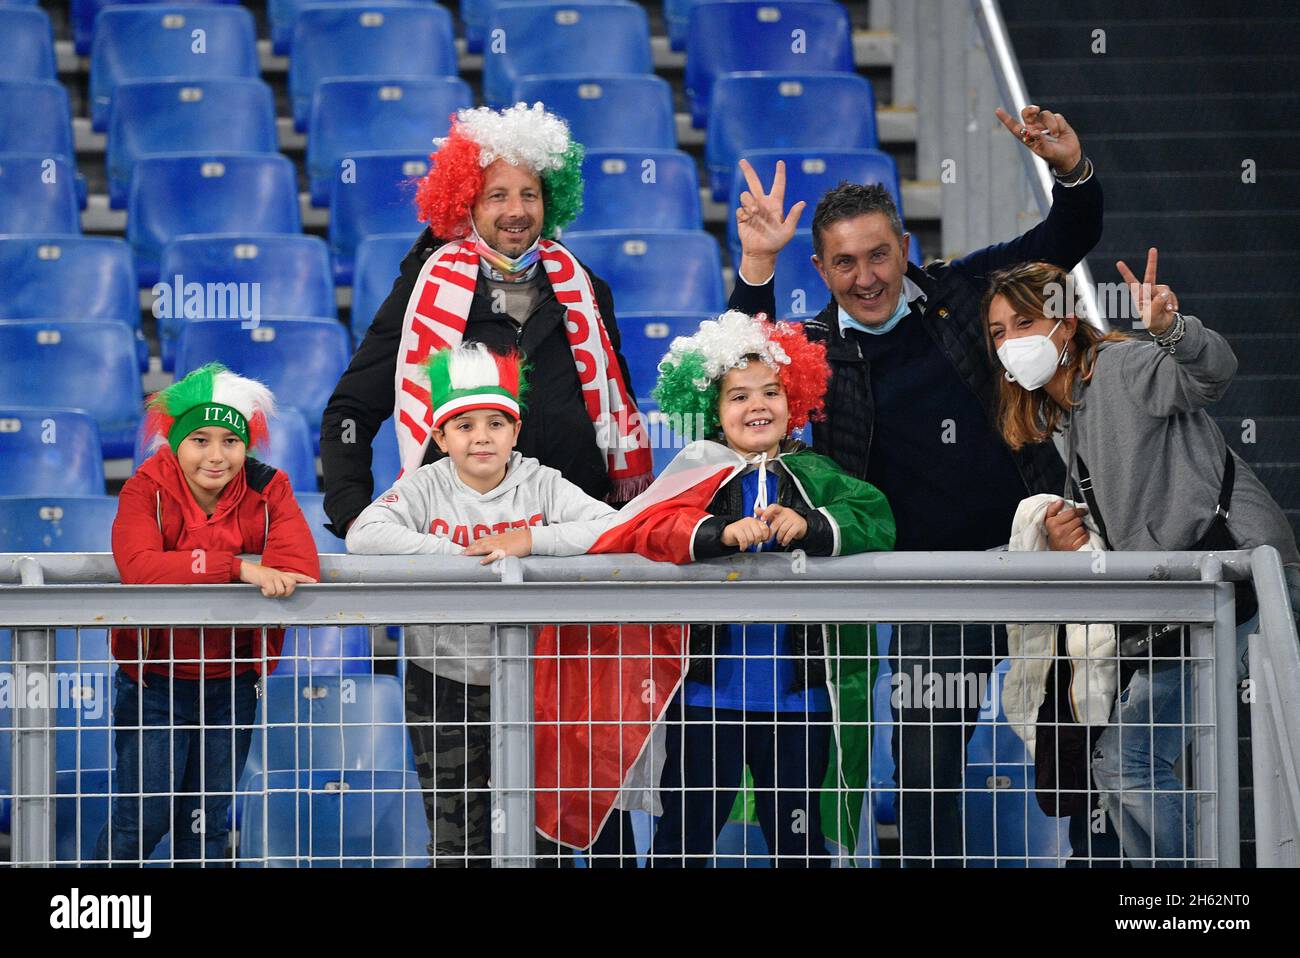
[600, 690]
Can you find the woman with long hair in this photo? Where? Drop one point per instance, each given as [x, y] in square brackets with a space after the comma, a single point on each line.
[1140, 448]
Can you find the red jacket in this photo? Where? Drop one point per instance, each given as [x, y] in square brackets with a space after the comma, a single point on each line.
[160, 535]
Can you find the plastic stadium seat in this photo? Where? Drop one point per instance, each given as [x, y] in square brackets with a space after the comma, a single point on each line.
[638, 189]
[385, 463]
[80, 812]
[26, 44]
[84, 12]
[646, 338]
[84, 665]
[372, 39]
[545, 38]
[299, 359]
[475, 14]
[57, 523]
[800, 290]
[37, 355]
[38, 194]
[326, 650]
[290, 449]
[35, 117]
[665, 440]
[70, 277]
[313, 509]
[292, 274]
[282, 14]
[725, 36]
[380, 199]
[50, 451]
[348, 116]
[655, 270]
[607, 112]
[755, 111]
[229, 115]
[330, 721]
[378, 261]
[809, 174]
[148, 41]
[207, 193]
[334, 819]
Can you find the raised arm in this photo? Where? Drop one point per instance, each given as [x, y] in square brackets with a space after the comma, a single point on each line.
[764, 229]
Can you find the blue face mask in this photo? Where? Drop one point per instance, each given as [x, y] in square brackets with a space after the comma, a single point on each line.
[848, 322]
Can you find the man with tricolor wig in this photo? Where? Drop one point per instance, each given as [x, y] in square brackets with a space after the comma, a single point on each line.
[489, 269]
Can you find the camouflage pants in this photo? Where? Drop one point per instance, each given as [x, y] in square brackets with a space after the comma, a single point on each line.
[449, 725]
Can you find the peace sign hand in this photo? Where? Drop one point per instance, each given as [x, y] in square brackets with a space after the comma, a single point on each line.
[1156, 304]
[764, 229]
[1046, 134]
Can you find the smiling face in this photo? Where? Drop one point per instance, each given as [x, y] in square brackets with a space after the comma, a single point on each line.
[752, 409]
[862, 262]
[210, 457]
[508, 213]
[1005, 323]
[479, 443]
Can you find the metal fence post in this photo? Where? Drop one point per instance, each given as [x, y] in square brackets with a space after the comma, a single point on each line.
[512, 739]
[33, 757]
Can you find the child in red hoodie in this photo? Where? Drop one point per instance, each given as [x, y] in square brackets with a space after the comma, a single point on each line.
[186, 515]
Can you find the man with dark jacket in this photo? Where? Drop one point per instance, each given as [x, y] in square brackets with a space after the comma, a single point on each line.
[911, 408]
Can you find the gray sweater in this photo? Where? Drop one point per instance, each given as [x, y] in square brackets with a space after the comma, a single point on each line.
[432, 511]
[1156, 456]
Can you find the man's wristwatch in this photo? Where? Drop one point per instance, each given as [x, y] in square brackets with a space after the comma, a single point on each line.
[1070, 177]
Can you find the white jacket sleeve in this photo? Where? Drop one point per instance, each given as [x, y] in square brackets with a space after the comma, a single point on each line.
[396, 523]
[574, 520]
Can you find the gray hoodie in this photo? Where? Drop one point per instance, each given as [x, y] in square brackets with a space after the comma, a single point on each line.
[1156, 456]
[432, 512]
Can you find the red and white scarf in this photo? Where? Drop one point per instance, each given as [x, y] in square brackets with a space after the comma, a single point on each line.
[436, 315]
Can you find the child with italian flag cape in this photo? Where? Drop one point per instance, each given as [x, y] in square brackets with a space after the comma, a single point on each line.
[791, 702]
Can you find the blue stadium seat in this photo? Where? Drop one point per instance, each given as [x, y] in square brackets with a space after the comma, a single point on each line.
[329, 721]
[207, 193]
[156, 41]
[70, 277]
[299, 359]
[542, 38]
[292, 273]
[370, 114]
[291, 449]
[35, 117]
[80, 813]
[378, 261]
[313, 510]
[607, 112]
[380, 199]
[475, 14]
[800, 290]
[26, 44]
[638, 189]
[229, 115]
[282, 14]
[725, 36]
[50, 451]
[334, 819]
[755, 111]
[809, 174]
[665, 440]
[38, 194]
[646, 338]
[57, 523]
[672, 271]
[385, 463]
[83, 665]
[372, 39]
[36, 356]
[84, 12]
[326, 650]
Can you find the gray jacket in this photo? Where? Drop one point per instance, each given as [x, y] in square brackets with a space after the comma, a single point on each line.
[432, 512]
[1156, 456]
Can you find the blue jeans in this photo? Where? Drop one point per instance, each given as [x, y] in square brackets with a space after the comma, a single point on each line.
[704, 765]
[161, 775]
[1133, 766]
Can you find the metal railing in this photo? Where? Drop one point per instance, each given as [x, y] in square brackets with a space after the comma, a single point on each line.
[41, 594]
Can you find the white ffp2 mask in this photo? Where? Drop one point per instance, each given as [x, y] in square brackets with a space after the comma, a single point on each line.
[1032, 361]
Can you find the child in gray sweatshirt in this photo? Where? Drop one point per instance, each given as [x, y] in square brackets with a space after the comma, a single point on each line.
[482, 487]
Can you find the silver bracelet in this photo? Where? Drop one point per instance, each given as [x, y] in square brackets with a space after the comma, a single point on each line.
[1170, 339]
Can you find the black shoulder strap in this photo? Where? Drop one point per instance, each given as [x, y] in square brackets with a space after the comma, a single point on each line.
[1229, 479]
[1084, 485]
